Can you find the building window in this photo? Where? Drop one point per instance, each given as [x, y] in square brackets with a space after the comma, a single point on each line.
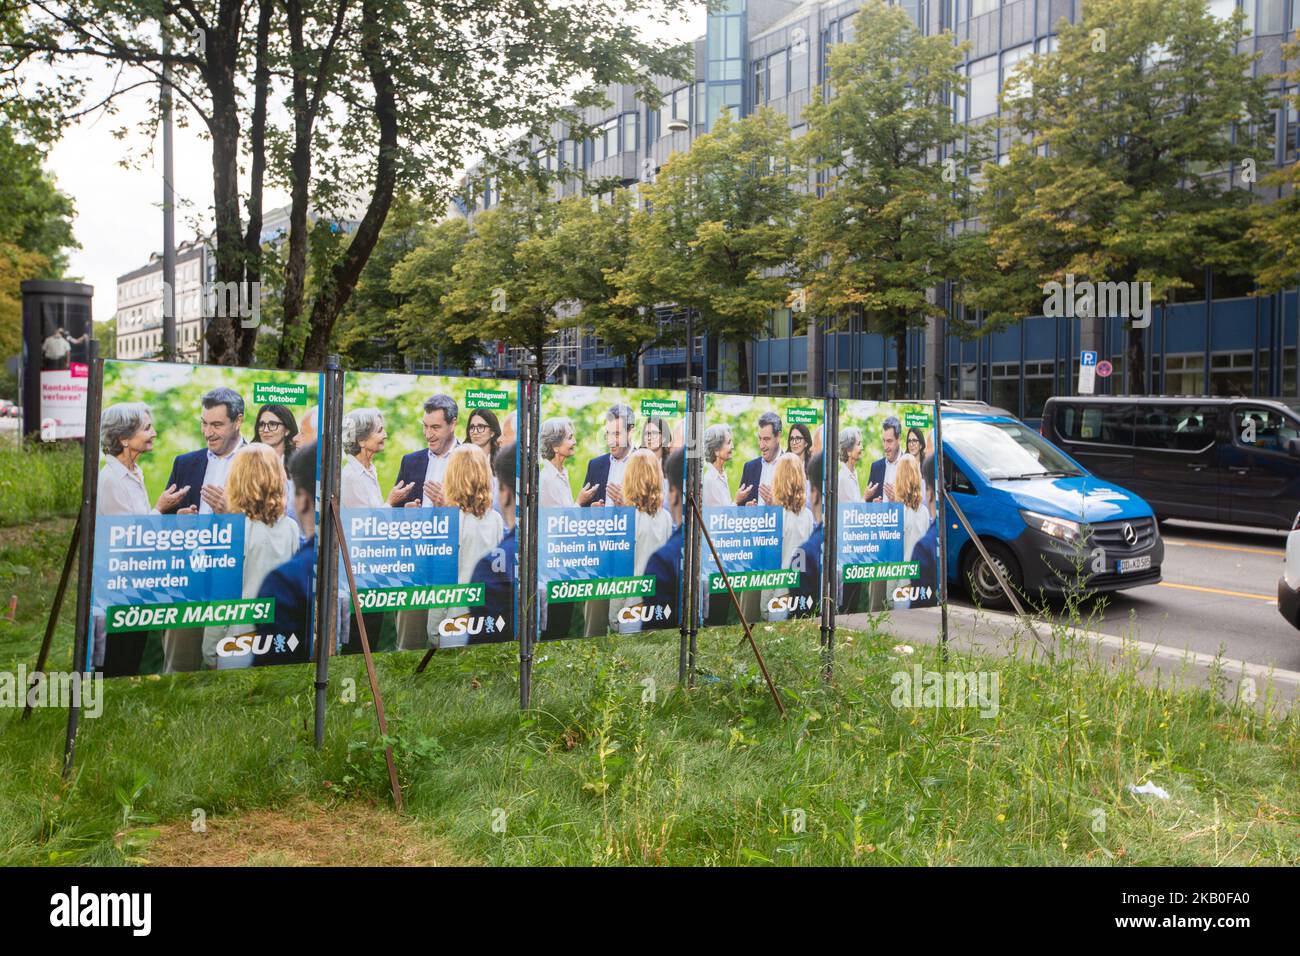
[983, 93]
[799, 65]
[1271, 16]
[1232, 373]
[1009, 60]
[980, 7]
[777, 82]
[760, 83]
[1185, 374]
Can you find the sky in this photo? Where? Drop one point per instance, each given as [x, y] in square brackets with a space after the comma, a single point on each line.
[119, 209]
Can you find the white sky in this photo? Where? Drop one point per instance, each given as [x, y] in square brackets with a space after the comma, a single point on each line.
[119, 210]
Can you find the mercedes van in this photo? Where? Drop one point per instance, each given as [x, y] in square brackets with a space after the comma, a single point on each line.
[1047, 522]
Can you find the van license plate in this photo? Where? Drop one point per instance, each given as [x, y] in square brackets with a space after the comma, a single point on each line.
[1125, 565]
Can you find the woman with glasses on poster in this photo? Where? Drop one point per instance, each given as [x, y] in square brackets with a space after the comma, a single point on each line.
[255, 489]
[467, 485]
[915, 444]
[276, 428]
[657, 437]
[643, 490]
[483, 430]
[800, 443]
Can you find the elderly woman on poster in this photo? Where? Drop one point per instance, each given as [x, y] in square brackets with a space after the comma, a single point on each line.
[126, 433]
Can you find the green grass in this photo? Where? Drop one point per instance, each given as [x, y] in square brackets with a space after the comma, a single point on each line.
[39, 481]
[594, 775]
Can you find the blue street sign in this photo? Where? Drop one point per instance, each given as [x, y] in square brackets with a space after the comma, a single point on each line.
[1088, 358]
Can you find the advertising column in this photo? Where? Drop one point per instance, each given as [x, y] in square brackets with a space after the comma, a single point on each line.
[428, 496]
[761, 491]
[612, 466]
[888, 537]
[205, 549]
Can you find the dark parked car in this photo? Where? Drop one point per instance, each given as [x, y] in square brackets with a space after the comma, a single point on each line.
[1233, 460]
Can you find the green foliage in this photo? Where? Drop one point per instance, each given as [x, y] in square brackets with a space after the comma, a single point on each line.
[400, 398]
[422, 280]
[720, 229]
[1278, 229]
[504, 284]
[1116, 137]
[595, 240]
[881, 237]
[586, 407]
[39, 480]
[173, 393]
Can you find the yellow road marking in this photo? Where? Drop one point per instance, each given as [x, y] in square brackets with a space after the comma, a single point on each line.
[1225, 547]
[1196, 587]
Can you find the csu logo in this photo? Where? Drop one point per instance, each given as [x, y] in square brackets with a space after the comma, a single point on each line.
[913, 593]
[458, 626]
[790, 602]
[644, 613]
[243, 644]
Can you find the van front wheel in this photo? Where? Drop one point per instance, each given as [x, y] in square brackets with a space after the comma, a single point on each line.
[982, 584]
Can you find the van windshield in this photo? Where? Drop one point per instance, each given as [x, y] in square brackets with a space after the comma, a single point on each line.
[1007, 451]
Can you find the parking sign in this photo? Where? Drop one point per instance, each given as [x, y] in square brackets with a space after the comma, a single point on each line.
[1087, 372]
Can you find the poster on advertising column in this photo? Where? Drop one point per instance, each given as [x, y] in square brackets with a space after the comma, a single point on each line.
[612, 464]
[205, 517]
[887, 547]
[428, 497]
[762, 491]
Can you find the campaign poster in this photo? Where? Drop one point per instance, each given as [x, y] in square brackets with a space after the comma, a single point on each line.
[887, 546]
[428, 498]
[762, 490]
[205, 518]
[63, 401]
[612, 464]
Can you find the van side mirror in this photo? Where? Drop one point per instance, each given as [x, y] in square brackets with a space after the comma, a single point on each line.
[1293, 447]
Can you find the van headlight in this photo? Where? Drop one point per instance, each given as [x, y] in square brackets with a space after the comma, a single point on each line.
[1062, 529]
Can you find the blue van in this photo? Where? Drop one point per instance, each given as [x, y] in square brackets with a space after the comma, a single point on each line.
[1041, 515]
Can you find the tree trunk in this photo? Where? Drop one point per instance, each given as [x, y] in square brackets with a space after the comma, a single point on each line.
[1137, 362]
[342, 279]
[223, 332]
[742, 366]
[257, 147]
[295, 263]
[900, 359]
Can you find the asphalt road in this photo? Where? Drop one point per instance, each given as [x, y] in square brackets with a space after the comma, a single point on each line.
[1218, 598]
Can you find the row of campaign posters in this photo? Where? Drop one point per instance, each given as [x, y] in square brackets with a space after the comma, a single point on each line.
[208, 506]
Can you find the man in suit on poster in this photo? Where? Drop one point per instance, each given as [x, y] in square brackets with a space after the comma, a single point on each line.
[757, 473]
[605, 472]
[880, 485]
[605, 480]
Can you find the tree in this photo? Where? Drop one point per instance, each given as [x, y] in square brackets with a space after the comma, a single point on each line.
[1120, 137]
[505, 285]
[384, 94]
[368, 331]
[881, 235]
[422, 279]
[594, 238]
[35, 230]
[1278, 230]
[719, 229]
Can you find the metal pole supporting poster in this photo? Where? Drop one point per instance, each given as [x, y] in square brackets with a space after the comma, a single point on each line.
[52, 621]
[529, 410]
[830, 528]
[327, 566]
[695, 473]
[941, 561]
[89, 488]
[690, 556]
